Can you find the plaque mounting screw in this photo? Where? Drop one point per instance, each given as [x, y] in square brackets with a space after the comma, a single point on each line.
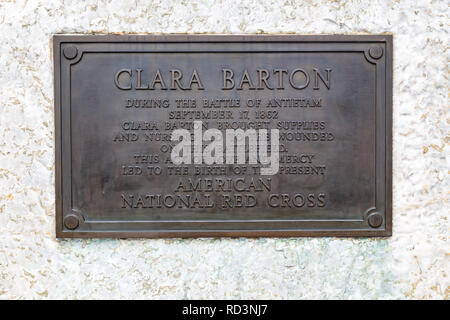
[375, 220]
[71, 222]
[70, 52]
[376, 52]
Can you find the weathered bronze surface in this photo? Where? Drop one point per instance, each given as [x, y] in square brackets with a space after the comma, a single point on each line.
[119, 98]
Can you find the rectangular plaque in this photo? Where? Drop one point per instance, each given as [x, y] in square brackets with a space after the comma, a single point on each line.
[199, 136]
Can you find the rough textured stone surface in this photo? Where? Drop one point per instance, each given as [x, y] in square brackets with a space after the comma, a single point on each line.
[414, 263]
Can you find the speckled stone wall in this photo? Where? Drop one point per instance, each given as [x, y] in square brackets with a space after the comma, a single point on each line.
[413, 263]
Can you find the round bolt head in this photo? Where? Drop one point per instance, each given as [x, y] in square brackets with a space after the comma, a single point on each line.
[71, 222]
[376, 52]
[375, 220]
[70, 52]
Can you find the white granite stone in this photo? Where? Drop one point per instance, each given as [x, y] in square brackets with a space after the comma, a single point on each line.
[414, 263]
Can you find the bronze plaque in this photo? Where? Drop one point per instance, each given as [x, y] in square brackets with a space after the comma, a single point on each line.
[200, 136]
